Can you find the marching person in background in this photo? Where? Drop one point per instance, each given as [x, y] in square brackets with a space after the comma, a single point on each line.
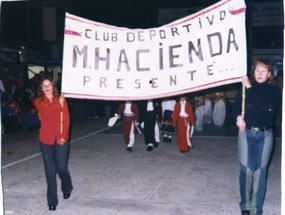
[219, 114]
[150, 117]
[208, 111]
[255, 138]
[184, 117]
[131, 118]
[199, 112]
[54, 116]
[167, 107]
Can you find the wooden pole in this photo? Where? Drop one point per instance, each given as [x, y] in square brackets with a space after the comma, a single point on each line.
[243, 101]
[61, 119]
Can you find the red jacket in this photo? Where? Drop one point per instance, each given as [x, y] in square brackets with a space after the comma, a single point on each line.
[188, 110]
[52, 123]
[134, 109]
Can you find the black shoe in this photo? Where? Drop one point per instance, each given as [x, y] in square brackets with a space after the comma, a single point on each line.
[155, 145]
[245, 212]
[149, 148]
[129, 149]
[66, 195]
[182, 151]
[52, 207]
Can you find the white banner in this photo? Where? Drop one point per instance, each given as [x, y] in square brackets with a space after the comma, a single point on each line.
[204, 50]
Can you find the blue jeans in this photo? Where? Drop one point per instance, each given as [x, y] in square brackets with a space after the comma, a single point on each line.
[254, 149]
[55, 160]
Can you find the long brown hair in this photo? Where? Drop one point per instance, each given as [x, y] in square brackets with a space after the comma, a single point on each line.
[40, 90]
[265, 63]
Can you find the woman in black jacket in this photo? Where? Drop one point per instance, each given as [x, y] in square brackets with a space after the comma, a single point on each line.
[255, 139]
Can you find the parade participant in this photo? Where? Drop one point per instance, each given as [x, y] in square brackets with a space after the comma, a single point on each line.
[219, 114]
[167, 106]
[208, 111]
[151, 116]
[55, 120]
[255, 138]
[199, 112]
[184, 117]
[131, 118]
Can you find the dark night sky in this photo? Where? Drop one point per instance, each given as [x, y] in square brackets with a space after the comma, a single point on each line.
[128, 13]
[22, 21]
[144, 14]
[133, 13]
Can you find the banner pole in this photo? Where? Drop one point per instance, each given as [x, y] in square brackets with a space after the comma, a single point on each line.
[243, 101]
[61, 119]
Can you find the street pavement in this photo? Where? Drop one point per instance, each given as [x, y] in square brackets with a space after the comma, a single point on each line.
[109, 180]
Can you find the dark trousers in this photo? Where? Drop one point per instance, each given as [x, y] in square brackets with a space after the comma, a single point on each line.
[55, 160]
[149, 124]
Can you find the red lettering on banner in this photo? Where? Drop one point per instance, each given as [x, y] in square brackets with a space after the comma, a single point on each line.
[235, 12]
[74, 33]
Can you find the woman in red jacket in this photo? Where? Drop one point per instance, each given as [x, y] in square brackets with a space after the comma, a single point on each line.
[54, 116]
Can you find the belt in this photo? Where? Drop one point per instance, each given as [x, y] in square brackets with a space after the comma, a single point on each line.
[128, 115]
[257, 129]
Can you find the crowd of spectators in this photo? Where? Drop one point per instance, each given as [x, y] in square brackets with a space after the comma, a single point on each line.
[17, 102]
